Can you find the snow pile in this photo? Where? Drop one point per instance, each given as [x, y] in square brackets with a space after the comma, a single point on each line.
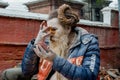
[22, 14]
[17, 6]
[114, 4]
[92, 23]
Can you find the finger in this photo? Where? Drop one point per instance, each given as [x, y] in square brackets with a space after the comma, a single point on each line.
[44, 46]
[46, 23]
[44, 53]
[44, 36]
[51, 51]
[42, 50]
[41, 25]
[37, 51]
[46, 29]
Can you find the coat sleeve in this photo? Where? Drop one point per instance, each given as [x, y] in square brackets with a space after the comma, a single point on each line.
[89, 68]
[30, 61]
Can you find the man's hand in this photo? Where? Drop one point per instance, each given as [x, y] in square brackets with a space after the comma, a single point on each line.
[43, 32]
[44, 52]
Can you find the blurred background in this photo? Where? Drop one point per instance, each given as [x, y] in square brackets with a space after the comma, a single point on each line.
[20, 20]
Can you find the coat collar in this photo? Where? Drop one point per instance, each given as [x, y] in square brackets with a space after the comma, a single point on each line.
[79, 31]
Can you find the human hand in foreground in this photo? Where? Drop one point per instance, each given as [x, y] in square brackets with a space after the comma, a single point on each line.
[43, 32]
[43, 51]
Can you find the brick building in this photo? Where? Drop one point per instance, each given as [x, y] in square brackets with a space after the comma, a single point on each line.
[45, 6]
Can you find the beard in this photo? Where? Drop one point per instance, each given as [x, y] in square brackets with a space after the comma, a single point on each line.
[59, 44]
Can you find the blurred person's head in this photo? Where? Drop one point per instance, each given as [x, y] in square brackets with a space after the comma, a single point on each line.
[64, 19]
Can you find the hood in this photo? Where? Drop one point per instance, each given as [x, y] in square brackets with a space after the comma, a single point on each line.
[79, 31]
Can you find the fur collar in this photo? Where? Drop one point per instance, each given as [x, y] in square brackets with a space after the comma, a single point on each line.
[79, 31]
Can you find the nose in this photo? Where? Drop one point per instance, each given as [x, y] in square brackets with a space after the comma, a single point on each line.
[52, 30]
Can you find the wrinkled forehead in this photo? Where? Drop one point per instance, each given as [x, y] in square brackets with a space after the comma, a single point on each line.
[53, 22]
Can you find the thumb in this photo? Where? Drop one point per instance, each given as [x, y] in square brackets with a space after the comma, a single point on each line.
[45, 35]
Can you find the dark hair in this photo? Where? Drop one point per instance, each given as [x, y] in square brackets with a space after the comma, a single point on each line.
[53, 14]
[65, 15]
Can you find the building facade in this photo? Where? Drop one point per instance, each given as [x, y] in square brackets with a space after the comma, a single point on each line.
[45, 6]
[18, 27]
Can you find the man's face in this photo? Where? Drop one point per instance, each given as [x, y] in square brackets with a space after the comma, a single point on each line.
[59, 29]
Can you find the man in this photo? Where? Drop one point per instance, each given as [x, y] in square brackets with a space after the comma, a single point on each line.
[71, 53]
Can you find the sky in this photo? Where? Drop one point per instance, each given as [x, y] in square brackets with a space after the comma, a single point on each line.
[29, 0]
